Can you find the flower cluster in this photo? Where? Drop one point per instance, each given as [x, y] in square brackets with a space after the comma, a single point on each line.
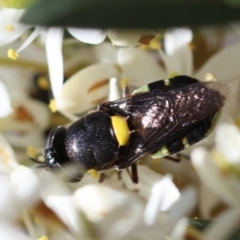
[72, 75]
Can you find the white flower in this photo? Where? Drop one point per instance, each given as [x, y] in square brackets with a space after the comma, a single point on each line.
[91, 36]
[223, 225]
[54, 38]
[137, 65]
[20, 185]
[11, 232]
[97, 201]
[58, 197]
[10, 28]
[94, 82]
[176, 38]
[228, 142]
[215, 168]
[219, 171]
[5, 101]
[120, 215]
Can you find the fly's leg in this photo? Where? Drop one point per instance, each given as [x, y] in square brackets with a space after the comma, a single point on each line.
[134, 173]
[177, 159]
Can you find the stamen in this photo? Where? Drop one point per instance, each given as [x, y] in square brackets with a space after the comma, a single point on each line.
[12, 54]
[30, 39]
[173, 74]
[43, 83]
[155, 44]
[53, 105]
[113, 90]
[93, 172]
[43, 238]
[124, 82]
[42, 164]
[9, 28]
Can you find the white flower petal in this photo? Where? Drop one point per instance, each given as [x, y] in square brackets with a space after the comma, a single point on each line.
[26, 186]
[7, 156]
[10, 232]
[113, 90]
[55, 59]
[139, 66]
[87, 88]
[28, 115]
[224, 186]
[207, 201]
[147, 179]
[183, 206]
[223, 226]
[231, 106]
[223, 65]
[5, 108]
[91, 36]
[179, 231]
[164, 194]
[23, 140]
[122, 218]
[228, 142]
[102, 200]
[10, 28]
[12, 36]
[128, 37]
[105, 52]
[180, 61]
[8, 201]
[58, 197]
[30, 39]
[144, 232]
[176, 38]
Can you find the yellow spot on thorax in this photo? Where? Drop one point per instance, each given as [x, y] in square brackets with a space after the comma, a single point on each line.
[121, 130]
[43, 238]
[93, 172]
[9, 28]
[53, 105]
[12, 54]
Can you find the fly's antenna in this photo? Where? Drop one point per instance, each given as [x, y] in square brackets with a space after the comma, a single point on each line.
[35, 156]
[41, 164]
[36, 161]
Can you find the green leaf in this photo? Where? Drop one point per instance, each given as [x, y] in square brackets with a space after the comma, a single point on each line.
[16, 3]
[201, 225]
[131, 13]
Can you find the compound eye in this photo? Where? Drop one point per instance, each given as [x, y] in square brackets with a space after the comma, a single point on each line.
[55, 150]
[56, 137]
